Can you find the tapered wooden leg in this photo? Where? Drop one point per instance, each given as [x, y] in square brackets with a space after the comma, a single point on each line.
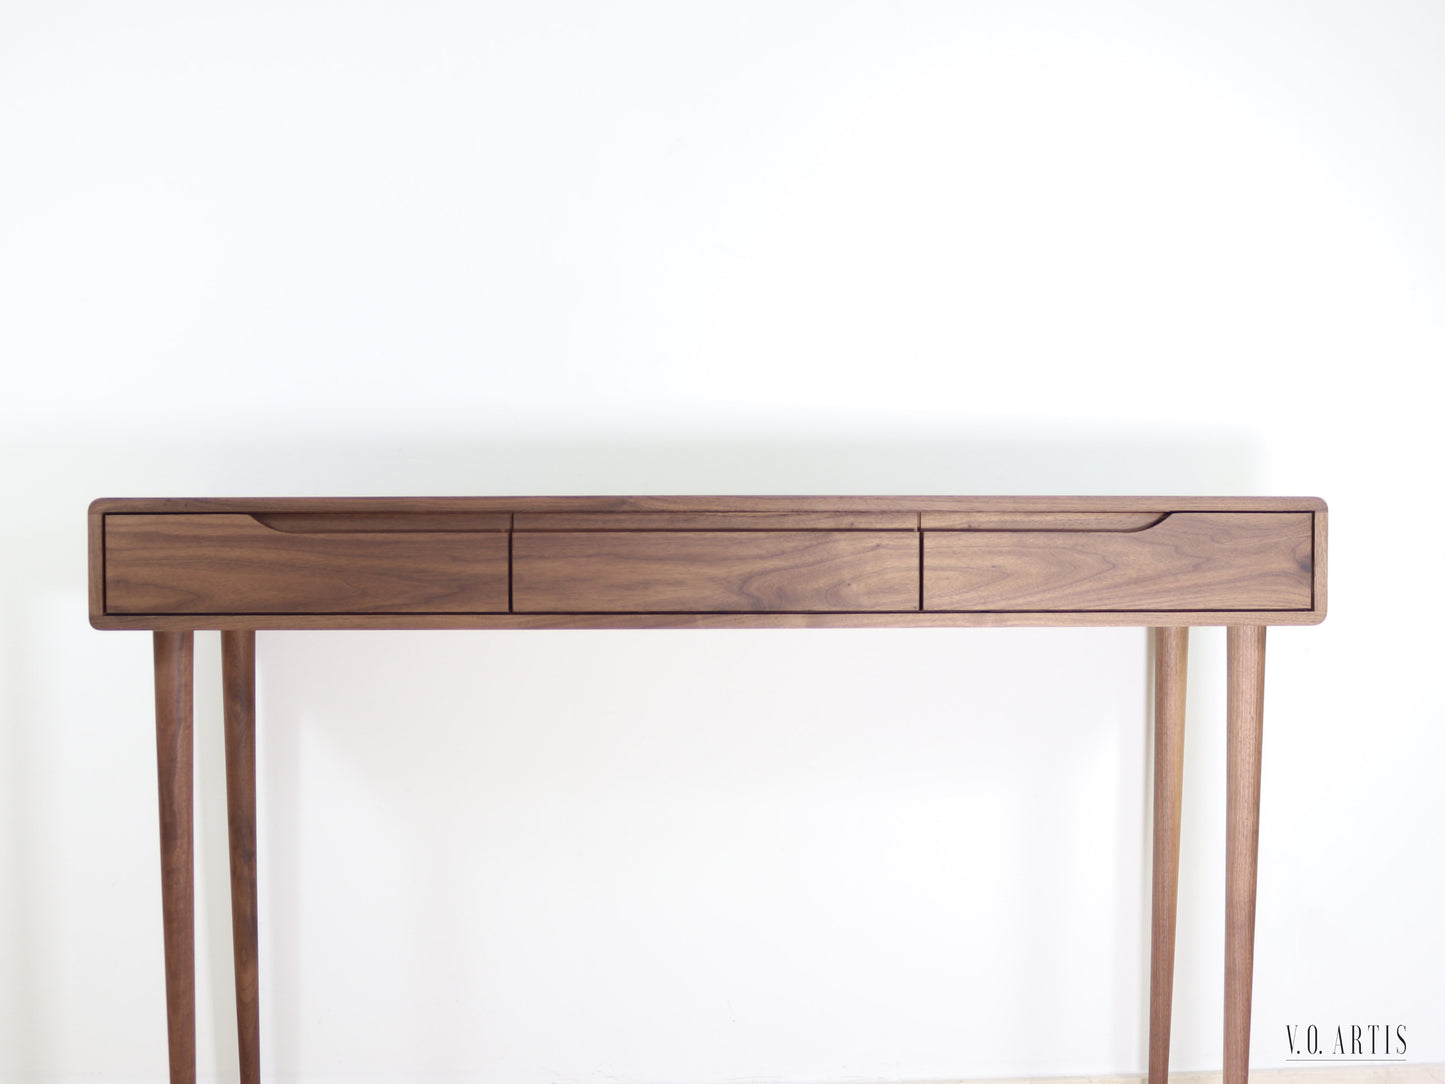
[1246, 731]
[1171, 663]
[174, 758]
[238, 673]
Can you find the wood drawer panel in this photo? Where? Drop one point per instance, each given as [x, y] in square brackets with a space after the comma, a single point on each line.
[719, 572]
[1188, 561]
[716, 521]
[218, 564]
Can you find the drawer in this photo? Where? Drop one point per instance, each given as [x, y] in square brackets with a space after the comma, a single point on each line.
[227, 564]
[1186, 561]
[740, 571]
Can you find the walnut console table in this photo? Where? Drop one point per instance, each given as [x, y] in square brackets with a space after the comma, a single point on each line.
[172, 566]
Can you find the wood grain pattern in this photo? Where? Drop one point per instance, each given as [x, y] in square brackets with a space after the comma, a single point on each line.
[1190, 561]
[758, 620]
[351, 522]
[178, 564]
[95, 561]
[196, 564]
[174, 653]
[390, 576]
[716, 521]
[1039, 521]
[158, 505]
[1245, 652]
[1171, 665]
[661, 571]
[238, 677]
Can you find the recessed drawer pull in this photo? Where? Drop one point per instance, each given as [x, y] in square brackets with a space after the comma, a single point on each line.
[1042, 521]
[346, 522]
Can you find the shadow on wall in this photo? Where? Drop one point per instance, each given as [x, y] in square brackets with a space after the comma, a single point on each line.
[42, 597]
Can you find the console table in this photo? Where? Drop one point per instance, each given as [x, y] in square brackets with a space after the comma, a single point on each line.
[172, 566]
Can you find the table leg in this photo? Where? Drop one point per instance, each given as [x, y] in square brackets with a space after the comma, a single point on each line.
[1246, 717]
[174, 760]
[1171, 662]
[238, 675]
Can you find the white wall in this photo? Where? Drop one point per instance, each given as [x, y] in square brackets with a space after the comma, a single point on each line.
[439, 248]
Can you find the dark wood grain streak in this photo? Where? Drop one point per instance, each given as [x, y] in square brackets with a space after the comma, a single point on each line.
[1245, 652]
[195, 564]
[238, 676]
[660, 571]
[174, 760]
[1191, 560]
[1171, 663]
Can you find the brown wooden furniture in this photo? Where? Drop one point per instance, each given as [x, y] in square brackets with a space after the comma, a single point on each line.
[173, 566]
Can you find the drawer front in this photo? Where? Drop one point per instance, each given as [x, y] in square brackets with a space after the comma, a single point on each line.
[226, 564]
[714, 571]
[1188, 561]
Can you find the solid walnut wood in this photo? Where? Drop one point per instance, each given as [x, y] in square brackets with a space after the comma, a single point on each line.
[716, 521]
[238, 675]
[196, 564]
[337, 580]
[237, 564]
[1190, 561]
[1039, 521]
[95, 536]
[174, 759]
[647, 571]
[1245, 648]
[249, 505]
[324, 522]
[758, 620]
[1171, 663]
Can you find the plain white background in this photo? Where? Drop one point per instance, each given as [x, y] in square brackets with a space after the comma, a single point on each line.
[441, 248]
